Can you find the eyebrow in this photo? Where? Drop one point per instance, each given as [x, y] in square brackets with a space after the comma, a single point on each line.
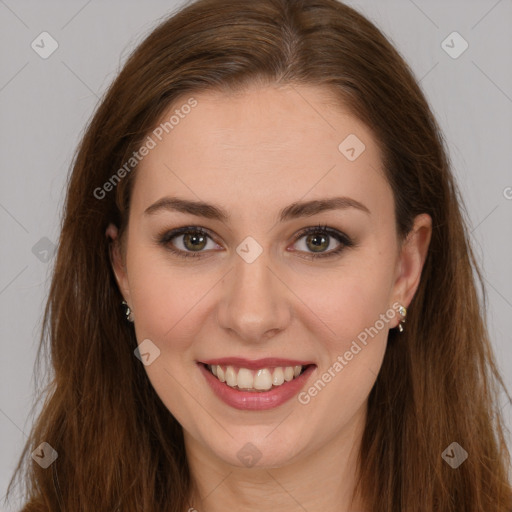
[293, 211]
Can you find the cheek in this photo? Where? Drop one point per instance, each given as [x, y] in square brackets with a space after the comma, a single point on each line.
[358, 315]
[358, 312]
[164, 299]
[167, 302]
[349, 300]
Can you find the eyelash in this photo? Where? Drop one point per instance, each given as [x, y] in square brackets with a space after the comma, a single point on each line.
[164, 239]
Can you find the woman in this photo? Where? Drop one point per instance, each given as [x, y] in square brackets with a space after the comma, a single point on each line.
[263, 296]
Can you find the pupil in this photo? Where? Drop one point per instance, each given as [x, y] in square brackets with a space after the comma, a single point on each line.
[318, 244]
[194, 238]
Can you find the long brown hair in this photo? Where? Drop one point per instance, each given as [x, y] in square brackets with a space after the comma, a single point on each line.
[118, 447]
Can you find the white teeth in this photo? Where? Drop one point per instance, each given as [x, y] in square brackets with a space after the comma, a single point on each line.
[263, 379]
[278, 377]
[244, 379]
[288, 373]
[259, 380]
[231, 378]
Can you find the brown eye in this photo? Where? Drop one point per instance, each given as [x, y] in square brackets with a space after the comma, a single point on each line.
[194, 241]
[318, 240]
[319, 243]
[186, 242]
[191, 241]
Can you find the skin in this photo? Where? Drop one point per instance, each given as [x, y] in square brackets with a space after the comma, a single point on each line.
[253, 153]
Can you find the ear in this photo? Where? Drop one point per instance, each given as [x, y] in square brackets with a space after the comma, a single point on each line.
[413, 254]
[116, 260]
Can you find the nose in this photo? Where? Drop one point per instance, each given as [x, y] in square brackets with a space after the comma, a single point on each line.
[255, 303]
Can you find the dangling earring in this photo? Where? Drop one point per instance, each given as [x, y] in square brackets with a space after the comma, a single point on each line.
[128, 312]
[402, 311]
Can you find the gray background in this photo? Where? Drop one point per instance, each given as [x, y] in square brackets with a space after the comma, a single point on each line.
[46, 103]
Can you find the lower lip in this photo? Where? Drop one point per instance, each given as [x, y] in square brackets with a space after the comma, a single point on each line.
[256, 400]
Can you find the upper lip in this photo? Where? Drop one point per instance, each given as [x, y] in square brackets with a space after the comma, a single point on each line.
[254, 364]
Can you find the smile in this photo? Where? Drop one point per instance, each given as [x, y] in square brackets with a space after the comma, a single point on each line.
[255, 385]
[255, 380]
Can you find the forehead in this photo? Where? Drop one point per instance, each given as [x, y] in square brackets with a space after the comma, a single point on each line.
[265, 145]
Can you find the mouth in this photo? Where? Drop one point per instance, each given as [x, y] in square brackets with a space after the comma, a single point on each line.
[254, 381]
[256, 385]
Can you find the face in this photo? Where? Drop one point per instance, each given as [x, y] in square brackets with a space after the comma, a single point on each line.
[254, 291]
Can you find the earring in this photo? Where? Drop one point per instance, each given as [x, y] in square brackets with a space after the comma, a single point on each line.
[402, 311]
[128, 311]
